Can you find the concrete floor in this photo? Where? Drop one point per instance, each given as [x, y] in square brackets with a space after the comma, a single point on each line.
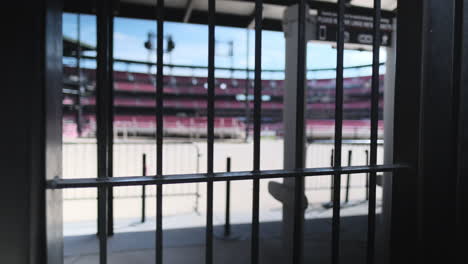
[187, 245]
[184, 235]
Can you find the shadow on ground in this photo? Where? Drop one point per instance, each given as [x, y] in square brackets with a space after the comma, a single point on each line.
[187, 245]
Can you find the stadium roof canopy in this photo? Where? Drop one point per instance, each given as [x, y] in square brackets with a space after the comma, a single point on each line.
[233, 13]
[70, 46]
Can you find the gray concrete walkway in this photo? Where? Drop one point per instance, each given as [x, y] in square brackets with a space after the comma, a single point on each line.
[187, 245]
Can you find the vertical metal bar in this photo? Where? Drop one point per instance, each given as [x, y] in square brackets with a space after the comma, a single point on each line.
[338, 133]
[348, 177]
[102, 224]
[257, 127]
[247, 86]
[374, 127]
[79, 110]
[143, 192]
[299, 155]
[110, 123]
[210, 132]
[104, 95]
[227, 225]
[159, 128]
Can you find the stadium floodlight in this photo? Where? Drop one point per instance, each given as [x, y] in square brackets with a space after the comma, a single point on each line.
[150, 45]
[170, 44]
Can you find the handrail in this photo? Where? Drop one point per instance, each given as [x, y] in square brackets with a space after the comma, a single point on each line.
[215, 177]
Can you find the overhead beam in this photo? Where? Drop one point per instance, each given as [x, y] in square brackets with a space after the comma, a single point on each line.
[251, 24]
[174, 15]
[188, 14]
[188, 10]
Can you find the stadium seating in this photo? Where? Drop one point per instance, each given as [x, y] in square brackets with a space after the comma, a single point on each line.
[186, 95]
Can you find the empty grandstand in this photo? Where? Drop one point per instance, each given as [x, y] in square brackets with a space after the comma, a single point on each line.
[185, 104]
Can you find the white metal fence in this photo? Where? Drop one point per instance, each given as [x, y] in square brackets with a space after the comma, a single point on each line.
[320, 155]
[79, 161]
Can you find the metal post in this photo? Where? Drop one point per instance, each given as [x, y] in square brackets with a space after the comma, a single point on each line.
[227, 224]
[257, 118]
[332, 183]
[143, 192]
[348, 177]
[110, 126]
[226, 233]
[371, 220]
[160, 127]
[210, 130]
[329, 204]
[104, 104]
[367, 176]
[338, 131]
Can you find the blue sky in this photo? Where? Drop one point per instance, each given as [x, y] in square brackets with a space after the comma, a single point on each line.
[192, 42]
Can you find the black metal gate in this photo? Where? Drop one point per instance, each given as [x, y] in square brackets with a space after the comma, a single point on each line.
[105, 181]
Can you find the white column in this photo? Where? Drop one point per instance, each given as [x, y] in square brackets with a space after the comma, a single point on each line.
[285, 192]
[389, 105]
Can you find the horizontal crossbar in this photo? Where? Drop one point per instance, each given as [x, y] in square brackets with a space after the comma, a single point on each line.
[212, 177]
